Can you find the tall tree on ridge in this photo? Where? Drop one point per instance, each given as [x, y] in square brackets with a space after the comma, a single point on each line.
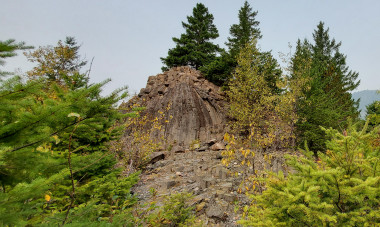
[326, 99]
[245, 31]
[194, 48]
[221, 69]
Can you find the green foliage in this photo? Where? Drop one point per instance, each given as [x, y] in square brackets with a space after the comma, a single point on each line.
[143, 136]
[60, 64]
[101, 201]
[248, 92]
[8, 49]
[325, 99]
[55, 163]
[194, 48]
[245, 31]
[373, 113]
[257, 109]
[341, 188]
[220, 70]
[175, 211]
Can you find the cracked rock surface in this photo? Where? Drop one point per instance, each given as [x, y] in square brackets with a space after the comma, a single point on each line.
[197, 107]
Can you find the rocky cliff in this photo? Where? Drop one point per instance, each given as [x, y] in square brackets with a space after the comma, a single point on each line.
[197, 106]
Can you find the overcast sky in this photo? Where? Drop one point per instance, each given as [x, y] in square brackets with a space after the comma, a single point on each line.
[127, 38]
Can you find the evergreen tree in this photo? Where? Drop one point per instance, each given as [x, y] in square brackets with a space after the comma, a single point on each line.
[326, 100]
[245, 31]
[373, 113]
[221, 69]
[61, 64]
[55, 163]
[48, 144]
[8, 49]
[194, 48]
[341, 188]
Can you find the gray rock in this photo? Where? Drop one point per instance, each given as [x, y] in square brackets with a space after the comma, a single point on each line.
[197, 107]
[203, 148]
[147, 90]
[215, 211]
[217, 147]
[226, 186]
[178, 168]
[229, 197]
[156, 156]
[169, 184]
[178, 149]
[206, 182]
[219, 156]
[162, 163]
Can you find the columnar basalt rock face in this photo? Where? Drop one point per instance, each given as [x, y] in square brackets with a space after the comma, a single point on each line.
[197, 106]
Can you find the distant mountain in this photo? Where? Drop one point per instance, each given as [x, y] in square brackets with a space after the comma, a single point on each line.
[366, 97]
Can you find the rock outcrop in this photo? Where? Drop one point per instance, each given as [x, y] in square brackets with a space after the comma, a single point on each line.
[192, 161]
[197, 106]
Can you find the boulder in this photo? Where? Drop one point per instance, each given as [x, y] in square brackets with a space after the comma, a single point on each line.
[216, 211]
[178, 149]
[218, 146]
[156, 156]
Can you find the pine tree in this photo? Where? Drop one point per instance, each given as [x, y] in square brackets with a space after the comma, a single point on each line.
[194, 48]
[341, 188]
[325, 100]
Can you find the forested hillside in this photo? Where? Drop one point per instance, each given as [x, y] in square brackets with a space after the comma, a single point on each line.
[292, 149]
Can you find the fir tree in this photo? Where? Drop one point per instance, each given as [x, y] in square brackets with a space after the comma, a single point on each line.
[341, 188]
[373, 113]
[55, 163]
[194, 48]
[326, 100]
[221, 69]
[245, 31]
[8, 49]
